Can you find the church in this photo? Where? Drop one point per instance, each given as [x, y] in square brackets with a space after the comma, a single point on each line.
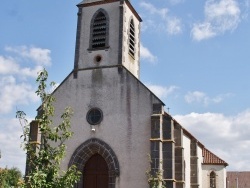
[118, 122]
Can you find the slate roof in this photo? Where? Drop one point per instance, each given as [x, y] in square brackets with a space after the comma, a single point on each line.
[242, 177]
[210, 158]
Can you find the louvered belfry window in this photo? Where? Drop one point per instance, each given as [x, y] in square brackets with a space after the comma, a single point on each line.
[99, 31]
[132, 38]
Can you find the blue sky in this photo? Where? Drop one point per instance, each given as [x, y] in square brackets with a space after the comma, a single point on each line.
[194, 56]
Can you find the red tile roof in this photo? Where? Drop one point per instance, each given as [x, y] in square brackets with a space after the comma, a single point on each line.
[243, 179]
[210, 158]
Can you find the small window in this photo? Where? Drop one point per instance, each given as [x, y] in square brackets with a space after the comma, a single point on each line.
[132, 38]
[212, 180]
[99, 30]
[94, 116]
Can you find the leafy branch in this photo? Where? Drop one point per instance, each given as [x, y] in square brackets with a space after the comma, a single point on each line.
[154, 177]
[44, 157]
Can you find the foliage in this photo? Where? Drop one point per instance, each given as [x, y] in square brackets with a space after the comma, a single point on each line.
[10, 177]
[154, 178]
[43, 160]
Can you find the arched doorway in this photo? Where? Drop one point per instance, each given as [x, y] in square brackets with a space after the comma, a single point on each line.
[95, 173]
[86, 150]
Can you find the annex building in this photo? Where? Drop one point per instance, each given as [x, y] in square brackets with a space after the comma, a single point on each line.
[117, 120]
[238, 179]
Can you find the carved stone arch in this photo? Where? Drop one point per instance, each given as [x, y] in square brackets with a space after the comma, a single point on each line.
[95, 146]
[104, 12]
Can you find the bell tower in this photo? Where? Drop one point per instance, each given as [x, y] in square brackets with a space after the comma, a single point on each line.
[108, 35]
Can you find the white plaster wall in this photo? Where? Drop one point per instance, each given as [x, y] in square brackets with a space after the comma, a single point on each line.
[131, 63]
[186, 146]
[110, 55]
[200, 161]
[220, 171]
[127, 110]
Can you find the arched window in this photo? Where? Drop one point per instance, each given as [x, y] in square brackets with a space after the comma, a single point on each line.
[212, 180]
[99, 30]
[132, 38]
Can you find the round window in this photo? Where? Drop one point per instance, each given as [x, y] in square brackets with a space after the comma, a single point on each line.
[94, 116]
[98, 59]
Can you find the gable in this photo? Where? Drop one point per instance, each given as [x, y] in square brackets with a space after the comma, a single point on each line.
[210, 158]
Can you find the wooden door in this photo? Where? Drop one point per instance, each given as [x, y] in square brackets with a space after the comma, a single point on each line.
[95, 174]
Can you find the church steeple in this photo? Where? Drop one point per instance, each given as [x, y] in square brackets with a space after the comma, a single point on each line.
[107, 36]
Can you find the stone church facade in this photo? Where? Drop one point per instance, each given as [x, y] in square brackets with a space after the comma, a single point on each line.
[117, 120]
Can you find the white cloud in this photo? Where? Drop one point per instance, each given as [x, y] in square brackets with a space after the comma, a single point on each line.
[153, 10]
[16, 91]
[195, 96]
[13, 65]
[220, 16]
[147, 55]
[226, 136]
[13, 94]
[174, 26]
[27, 71]
[203, 31]
[12, 154]
[161, 91]
[160, 20]
[9, 66]
[37, 55]
[200, 97]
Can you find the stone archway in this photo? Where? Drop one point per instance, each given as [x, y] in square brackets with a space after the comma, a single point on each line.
[95, 146]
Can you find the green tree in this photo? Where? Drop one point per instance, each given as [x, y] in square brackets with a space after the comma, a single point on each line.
[154, 178]
[10, 177]
[44, 159]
